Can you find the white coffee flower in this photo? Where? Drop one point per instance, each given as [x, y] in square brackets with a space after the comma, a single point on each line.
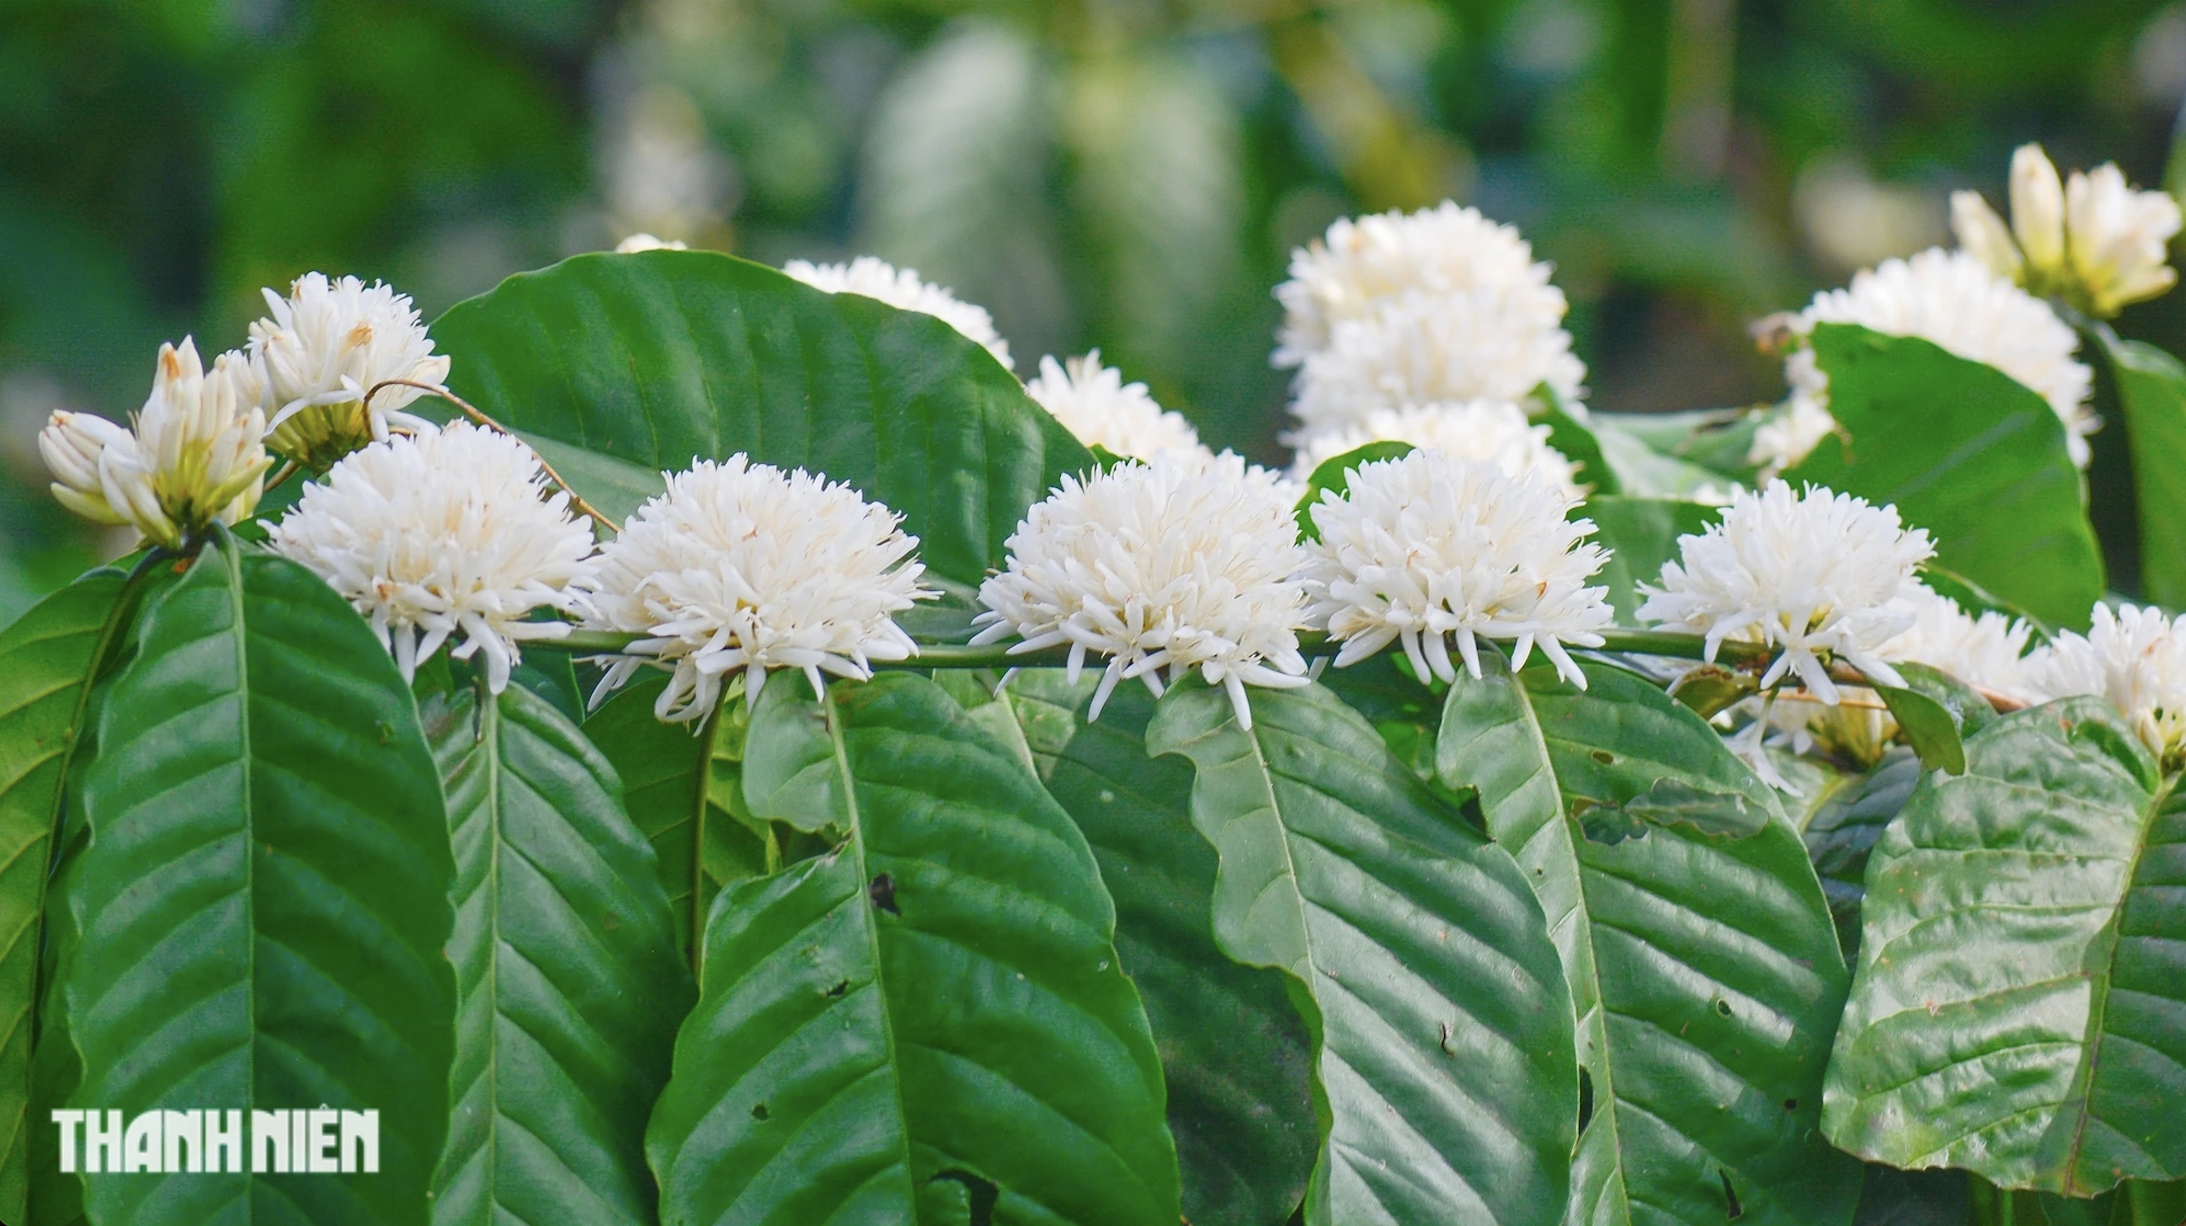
[327, 344]
[900, 288]
[1180, 563]
[743, 566]
[72, 444]
[443, 536]
[646, 242]
[1808, 572]
[197, 454]
[1446, 250]
[1100, 409]
[2134, 657]
[1426, 547]
[1952, 299]
[1985, 651]
[2091, 239]
[1427, 348]
[1492, 430]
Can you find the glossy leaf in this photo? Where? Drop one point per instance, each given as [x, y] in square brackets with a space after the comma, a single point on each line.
[1233, 1051]
[569, 985]
[264, 897]
[1700, 955]
[929, 1017]
[681, 786]
[47, 661]
[2018, 1002]
[1843, 831]
[1935, 712]
[1444, 1070]
[2152, 388]
[1575, 440]
[1640, 535]
[651, 359]
[1966, 452]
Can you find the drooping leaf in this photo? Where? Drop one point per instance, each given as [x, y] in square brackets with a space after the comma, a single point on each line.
[1234, 1053]
[1575, 440]
[1333, 475]
[1640, 535]
[2018, 1002]
[655, 358]
[2152, 387]
[1718, 440]
[1704, 968]
[48, 659]
[931, 1015]
[1935, 712]
[681, 785]
[1967, 452]
[263, 900]
[1444, 1070]
[569, 985]
[1843, 831]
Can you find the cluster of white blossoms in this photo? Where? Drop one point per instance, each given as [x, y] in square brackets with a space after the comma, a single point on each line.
[1094, 403]
[196, 454]
[325, 347]
[1952, 299]
[901, 288]
[1436, 307]
[2136, 658]
[1427, 548]
[2091, 239]
[646, 242]
[1176, 563]
[1988, 651]
[1808, 573]
[1493, 430]
[742, 566]
[446, 536]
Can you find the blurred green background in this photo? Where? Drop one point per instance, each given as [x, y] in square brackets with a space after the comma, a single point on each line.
[1124, 173]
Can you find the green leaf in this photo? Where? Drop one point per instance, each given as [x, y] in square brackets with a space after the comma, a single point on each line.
[1844, 829]
[2152, 387]
[1233, 1051]
[1640, 534]
[1644, 472]
[1935, 711]
[48, 658]
[681, 785]
[654, 358]
[1575, 440]
[1444, 1076]
[932, 1014]
[1704, 968]
[2017, 1005]
[1966, 452]
[1718, 440]
[1333, 475]
[264, 898]
[569, 985]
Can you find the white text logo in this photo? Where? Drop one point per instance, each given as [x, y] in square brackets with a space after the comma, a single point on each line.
[320, 1141]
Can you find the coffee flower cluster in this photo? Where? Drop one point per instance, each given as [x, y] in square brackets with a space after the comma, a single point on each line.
[2089, 239]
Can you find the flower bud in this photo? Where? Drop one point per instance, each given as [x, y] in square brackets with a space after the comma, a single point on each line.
[72, 444]
[2037, 212]
[2118, 240]
[1985, 236]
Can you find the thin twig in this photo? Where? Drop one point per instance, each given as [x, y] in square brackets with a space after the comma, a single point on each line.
[471, 411]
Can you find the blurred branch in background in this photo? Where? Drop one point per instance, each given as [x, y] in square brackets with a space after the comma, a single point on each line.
[1123, 173]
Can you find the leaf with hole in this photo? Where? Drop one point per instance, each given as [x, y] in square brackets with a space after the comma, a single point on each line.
[1444, 1077]
[2016, 1010]
[929, 1020]
[1704, 967]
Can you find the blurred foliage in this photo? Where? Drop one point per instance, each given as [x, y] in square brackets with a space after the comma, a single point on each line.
[1124, 173]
